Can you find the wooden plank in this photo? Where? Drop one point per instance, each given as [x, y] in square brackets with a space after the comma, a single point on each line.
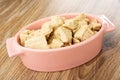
[15, 14]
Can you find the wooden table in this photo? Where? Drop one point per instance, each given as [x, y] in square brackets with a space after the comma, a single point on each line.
[14, 14]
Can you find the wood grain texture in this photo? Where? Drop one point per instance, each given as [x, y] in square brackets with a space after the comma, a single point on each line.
[14, 14]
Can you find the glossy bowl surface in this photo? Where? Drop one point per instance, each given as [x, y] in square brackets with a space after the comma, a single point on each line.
[60, 58]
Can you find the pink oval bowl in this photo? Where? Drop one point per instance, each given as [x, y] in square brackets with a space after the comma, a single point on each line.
[60, 58]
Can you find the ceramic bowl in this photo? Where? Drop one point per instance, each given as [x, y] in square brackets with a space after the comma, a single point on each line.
[60, 58]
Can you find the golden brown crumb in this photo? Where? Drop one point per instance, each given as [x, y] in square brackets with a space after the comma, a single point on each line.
[64, 34]
[57, 21]
[95, 25]
[56, 43]
[81, 32]
[75, 40]
[38, 42]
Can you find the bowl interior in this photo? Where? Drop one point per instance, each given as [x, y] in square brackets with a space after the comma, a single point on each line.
[37, 24]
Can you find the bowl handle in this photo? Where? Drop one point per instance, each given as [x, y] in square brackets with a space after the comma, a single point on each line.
[109, 25]
[12, 47]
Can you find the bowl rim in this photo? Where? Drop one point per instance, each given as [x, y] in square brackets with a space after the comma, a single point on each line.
[62, 48]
